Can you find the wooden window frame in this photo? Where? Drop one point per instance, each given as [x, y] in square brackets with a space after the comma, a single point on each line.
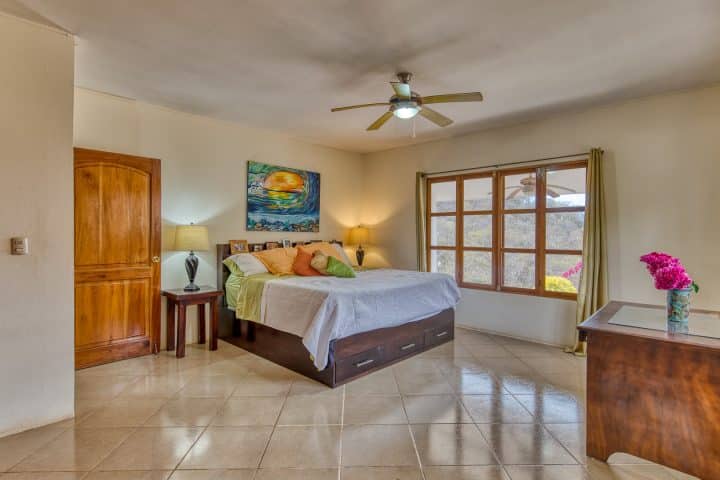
[497, 213]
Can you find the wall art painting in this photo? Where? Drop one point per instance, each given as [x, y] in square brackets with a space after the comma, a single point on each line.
[281, 199]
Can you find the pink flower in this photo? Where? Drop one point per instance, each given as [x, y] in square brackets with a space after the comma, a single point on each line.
[657, 260]
[671, 278]
[667, 271]
[573, 270]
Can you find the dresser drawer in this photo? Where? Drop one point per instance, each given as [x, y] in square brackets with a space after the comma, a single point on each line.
[351, 366]
[439, 334]
[405, 346]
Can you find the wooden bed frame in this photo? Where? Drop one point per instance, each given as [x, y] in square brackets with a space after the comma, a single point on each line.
[350, 358]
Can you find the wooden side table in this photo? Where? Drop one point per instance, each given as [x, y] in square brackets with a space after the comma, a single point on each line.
[181, 299]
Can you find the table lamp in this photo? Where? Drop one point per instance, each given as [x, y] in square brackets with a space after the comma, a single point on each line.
[195, 239]
[358, 236]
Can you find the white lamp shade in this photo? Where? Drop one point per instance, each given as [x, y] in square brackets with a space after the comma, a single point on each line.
[359, 236]
[191, 237]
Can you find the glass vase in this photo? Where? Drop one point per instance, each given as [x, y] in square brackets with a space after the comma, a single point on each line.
[678, 305]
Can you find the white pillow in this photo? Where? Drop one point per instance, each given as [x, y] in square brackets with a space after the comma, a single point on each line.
[343, 254]
[248, 264]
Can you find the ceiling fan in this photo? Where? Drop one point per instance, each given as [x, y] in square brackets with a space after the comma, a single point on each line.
[527, 186]
[406, 103]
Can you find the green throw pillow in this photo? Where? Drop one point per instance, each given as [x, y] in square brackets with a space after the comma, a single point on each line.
[233, 267]
[336, 268]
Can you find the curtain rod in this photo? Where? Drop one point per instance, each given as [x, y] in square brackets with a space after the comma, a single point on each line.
[508, 164]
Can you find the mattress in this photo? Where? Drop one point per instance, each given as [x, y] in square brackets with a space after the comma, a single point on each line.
[243, 294]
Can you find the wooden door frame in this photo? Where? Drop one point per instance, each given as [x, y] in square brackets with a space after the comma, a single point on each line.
[98, 157]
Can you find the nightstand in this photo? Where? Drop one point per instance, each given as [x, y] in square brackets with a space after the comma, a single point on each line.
[181, 299]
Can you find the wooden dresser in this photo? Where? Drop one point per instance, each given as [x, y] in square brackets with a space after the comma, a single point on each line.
[654, 394]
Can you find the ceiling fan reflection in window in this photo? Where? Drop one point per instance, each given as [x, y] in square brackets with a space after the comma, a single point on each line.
[527, 187]
[406, 103]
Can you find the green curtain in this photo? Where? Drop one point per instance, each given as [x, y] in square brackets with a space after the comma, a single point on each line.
[593, 290]
[420, 220]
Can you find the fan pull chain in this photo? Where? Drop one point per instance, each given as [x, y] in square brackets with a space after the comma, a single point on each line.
[413, 128]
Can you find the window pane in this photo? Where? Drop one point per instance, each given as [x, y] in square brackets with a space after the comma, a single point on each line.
[519, 191]
[478, 194]
[442, 231]
[442, 261]
[562, 273]
[564, 231]
[519, 270]
[519, 230]
[478, 230]
[566, 188]
[442, 196]
[477, 267]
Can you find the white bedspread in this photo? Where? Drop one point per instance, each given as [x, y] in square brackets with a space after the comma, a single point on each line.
[322, 309]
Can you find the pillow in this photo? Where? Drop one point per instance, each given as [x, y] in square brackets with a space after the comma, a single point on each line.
[325, 248]
[343, 254]
[244, 264]
[336, 268]
[278, 260]
[319, 262]
[301, 265]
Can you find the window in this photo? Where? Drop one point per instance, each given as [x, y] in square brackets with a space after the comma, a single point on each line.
[517, 230]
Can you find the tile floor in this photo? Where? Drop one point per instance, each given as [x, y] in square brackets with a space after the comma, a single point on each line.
[480, 408]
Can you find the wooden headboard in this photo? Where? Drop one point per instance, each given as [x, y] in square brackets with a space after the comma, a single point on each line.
[223, 252]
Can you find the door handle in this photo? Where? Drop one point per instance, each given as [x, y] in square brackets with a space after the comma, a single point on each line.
[156, 259]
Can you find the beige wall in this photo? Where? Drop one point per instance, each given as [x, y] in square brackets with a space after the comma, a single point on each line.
[204, 173]
[662, 169]
[36, 323]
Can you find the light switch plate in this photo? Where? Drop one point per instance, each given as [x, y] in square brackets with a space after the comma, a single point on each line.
[19, 246]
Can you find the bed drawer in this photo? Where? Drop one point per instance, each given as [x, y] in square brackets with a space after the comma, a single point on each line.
[405, 346]
[357, 364]
[438, 335]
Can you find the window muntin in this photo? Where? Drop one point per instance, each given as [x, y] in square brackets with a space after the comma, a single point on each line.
[517, 230]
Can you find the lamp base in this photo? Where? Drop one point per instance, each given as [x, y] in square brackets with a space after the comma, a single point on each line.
[191, 266]
[360, 255]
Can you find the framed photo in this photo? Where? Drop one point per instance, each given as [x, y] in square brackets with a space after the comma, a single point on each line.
[238, 246]
[287, 243]
[256, 247]
[271, 245]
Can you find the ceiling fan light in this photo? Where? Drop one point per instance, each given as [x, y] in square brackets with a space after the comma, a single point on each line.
[406, 111]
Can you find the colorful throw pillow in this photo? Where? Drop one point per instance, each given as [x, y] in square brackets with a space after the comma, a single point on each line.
[319, 262]
[278, 260]
[244, 264]
[336, 268]
[325, 247]
[301, 265]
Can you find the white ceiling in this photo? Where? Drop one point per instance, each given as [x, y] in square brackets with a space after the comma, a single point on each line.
[282, 64]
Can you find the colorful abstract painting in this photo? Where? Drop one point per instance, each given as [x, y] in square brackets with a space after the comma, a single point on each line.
[281, 199]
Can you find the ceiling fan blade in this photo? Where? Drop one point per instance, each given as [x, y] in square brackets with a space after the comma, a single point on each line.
[453, 97]
[552, 193]
[515, 193]
[571, 190]
[437, 118]
[340, 109]
[380, 121]
[402, 90]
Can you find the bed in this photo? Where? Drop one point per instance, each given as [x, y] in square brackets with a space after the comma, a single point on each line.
[354, 338]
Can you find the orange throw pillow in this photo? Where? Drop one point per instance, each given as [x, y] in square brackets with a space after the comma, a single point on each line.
[278, 260]
[301, 266]
[324, 247]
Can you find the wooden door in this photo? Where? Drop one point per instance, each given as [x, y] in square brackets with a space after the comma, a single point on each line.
[117, 256]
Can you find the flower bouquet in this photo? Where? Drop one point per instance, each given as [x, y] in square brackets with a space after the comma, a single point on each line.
[669, 274]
